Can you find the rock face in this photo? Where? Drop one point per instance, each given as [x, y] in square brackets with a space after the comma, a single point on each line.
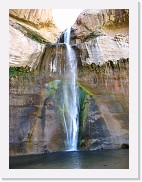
[22, 50]
[37, 17]
[104, 48]
[104, 118]
[28, 30]
[102, 35]
[98, 21]
[39, 21]
[102, 38]
[36, 122]
[35, 125]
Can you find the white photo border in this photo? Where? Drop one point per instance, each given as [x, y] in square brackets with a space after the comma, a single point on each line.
[133, 171]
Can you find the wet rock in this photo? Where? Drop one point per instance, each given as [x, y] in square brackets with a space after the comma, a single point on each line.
[124, 146]
[99, 128]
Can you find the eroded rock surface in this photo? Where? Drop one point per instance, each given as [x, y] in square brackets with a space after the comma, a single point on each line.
[39, 21]
[22, 50]
[102, 35]
[98, 21]
[103, 48]
[29, 30]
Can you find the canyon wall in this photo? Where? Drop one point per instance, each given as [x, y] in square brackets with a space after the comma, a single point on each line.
[100, 39]
[30, 30]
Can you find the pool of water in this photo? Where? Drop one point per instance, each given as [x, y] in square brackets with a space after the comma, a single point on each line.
[105, 159]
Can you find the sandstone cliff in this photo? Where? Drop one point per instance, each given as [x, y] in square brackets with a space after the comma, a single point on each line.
[102, 35]
[29, 30]
[39, 21]
[98, 21]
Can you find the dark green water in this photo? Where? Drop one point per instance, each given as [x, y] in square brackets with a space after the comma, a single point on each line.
[107, 159]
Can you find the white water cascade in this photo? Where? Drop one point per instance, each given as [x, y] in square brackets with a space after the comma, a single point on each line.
[70, 97]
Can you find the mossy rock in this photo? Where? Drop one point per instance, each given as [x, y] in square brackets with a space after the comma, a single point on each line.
[23, 72]
[34, 36]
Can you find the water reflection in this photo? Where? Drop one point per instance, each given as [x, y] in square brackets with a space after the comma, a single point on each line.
[109, 159]
[74, 160]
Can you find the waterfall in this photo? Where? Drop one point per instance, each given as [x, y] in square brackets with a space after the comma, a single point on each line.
[70, 97]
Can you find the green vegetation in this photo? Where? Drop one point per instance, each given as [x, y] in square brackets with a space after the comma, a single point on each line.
[36, 37]
[89, 37]
[84, 89]
[93, 69]
[51, 89]
[30, 134]
[84, 106]
[54, 92]
[84, 100]
[85, 110]
[21, 72]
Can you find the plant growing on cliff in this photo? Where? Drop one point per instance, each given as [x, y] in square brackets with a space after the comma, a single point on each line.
[36, 38]
[20, 72]
[89, 37]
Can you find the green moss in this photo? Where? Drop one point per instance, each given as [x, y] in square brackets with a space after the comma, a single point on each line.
[21, 72]
[51, 89]
[33, 35]
[81, 143]
[84, 100]
[84, 111]
[89, 37]
[60, 112]
[85, 90]
[36, 37]
[30, 134]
